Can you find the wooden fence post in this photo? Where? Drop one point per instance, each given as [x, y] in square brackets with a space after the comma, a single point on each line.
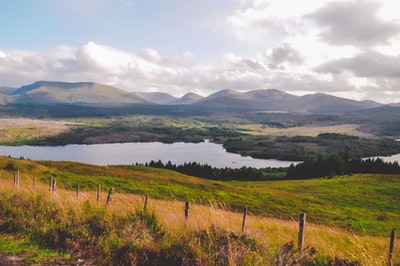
[16, 179]
[145, 202]
[187, 206]
[109, 196]
[98, 192]
[51, 184]
[244, 218]
[302, 224]
[392, 238]
[54, 186]
[77, 191]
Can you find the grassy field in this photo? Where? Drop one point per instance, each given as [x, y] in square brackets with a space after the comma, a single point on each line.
[309, 130]
[348, 216]
[23, 130]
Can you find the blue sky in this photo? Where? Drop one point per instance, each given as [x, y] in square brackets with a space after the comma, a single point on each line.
[170, 26]
[341, 47]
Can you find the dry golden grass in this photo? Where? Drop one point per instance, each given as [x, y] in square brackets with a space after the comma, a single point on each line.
[271, 233]
[25, 129]
[311, 131]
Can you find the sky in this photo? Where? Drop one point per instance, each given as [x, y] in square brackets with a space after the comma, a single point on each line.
[346, 48]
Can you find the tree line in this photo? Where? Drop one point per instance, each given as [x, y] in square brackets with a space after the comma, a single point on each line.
[223, 174]
[312, 167]
[337, 164]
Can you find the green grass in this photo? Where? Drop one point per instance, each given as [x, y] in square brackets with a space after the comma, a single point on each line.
[360, 203]
[26, 249]
[100, 236]
[365, 204]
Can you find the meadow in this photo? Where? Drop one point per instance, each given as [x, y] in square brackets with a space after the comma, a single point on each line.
[349, 218]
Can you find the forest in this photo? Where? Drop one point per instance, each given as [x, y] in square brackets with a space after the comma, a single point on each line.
[222, 174]
[312, 167]
[337, 164]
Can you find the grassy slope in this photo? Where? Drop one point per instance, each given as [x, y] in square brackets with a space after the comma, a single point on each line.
[366, 204]
[360, 203]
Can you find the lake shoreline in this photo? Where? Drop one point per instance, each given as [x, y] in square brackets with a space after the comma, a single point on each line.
[204, 152]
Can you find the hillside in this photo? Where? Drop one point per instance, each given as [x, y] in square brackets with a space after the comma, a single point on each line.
[338, 201]
[269, 100]
[188, 98]
[45, 92]
[278, 101]
[88, 230]
[157, 97]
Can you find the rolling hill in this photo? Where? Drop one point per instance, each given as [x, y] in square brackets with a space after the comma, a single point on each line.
[348, 217]
[167, 99]
[270, 100]
[277, 101]
[156, 97]
[45, 92]
[189, 98]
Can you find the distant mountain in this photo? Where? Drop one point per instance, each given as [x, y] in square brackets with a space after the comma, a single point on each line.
[324, 103]
[165, 98]
[189, 98]
[74, 93]
[270, 94]
[226, 99]
[157, 97]
[271, 100]
[6, 90]
[278, 101]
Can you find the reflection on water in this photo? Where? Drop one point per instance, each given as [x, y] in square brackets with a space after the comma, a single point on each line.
[131, 153]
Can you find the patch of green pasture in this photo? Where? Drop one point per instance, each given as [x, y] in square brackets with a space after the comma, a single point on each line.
[360, 203]
[31, 252]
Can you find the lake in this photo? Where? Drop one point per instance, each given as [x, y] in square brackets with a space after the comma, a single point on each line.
[136, 152]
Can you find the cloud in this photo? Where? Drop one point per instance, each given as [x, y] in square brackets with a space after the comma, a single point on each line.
[258, 24]
[366, 64]
[354, 23]
[149, 70]
[151, 55]
[284, 54]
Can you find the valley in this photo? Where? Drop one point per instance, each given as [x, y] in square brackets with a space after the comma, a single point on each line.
[349, 216]
[284, 138]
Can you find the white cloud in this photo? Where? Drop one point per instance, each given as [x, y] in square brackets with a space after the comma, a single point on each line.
[133, 72]
[296, 46]
[151, 55]
[354, 23]
[367, 64]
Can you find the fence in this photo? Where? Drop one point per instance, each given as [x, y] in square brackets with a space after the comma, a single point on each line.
[52, 189]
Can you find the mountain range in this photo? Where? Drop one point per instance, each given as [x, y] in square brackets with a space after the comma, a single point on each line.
[94, 94]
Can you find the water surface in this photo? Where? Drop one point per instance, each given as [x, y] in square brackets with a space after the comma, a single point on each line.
[135, 152]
